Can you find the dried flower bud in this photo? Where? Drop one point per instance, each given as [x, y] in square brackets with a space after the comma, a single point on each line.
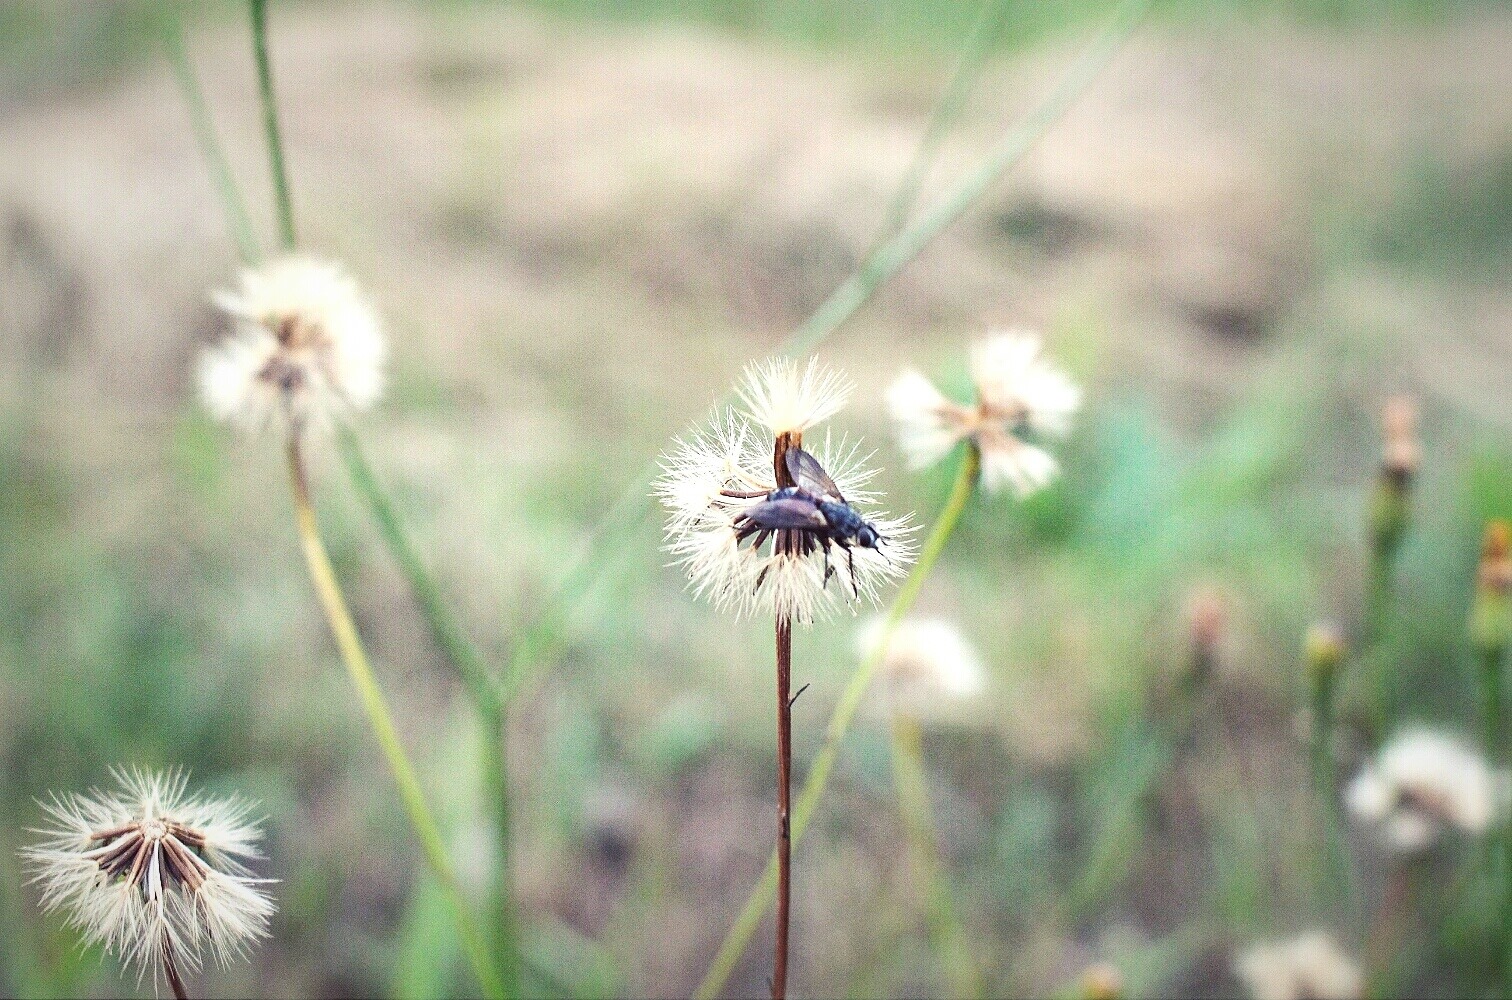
[1402, 452]
[1324, 651]
[1102, 981]
[1207, 620]
[1491, 614]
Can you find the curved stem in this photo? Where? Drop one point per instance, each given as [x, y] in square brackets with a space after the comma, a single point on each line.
[761, 897]
[281, 194]
[354, 657]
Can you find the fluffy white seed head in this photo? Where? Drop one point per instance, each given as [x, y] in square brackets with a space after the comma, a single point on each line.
[1019, 394]
[1310, 967]
[755, 576]
[785, 398]
[929, 670]
[1422, 784]
[149, 862]
[306, 347]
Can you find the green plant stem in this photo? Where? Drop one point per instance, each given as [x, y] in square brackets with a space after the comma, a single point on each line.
[238, 221]
[282, 197]
[354, 657]
[480, 686]
[946, 110]
[589, 566]
[911, 784]
[740, 932]
[1322, 735]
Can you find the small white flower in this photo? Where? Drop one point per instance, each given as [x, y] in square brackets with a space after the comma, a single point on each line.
[787, 574]
[307, 347]
[1310, 967]
[1019, 393]
[149, 864]
[928, 667]
[1423, 783]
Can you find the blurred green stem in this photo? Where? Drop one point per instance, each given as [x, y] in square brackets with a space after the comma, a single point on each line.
[448, 635]
[354, 656]
[947, 937]
[283, 200]
[739, 935]
[590, 565]
[238, 221]
[946, 110]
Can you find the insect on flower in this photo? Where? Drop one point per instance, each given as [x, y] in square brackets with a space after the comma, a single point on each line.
[812, 513]
[152, 872]
[755, 519]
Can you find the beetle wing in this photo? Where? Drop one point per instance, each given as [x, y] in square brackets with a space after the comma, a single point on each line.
[810, 475]
[788, 512]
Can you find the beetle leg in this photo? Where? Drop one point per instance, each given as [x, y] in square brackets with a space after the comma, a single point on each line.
[850, 555]
[743, 494]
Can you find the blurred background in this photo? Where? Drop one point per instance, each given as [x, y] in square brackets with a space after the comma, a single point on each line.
[581, 221]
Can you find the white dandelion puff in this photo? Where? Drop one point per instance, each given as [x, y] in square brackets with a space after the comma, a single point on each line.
[306, 348]
[150, 868]
[1421, 785]
[715, 476]
[1309, 967]
[787, 399]
[1020, 395]
[929, 667]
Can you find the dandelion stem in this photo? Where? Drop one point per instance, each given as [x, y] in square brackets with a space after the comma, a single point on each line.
[238, 220]
[170, 969]
[592, 562]
[354, 657]
[840, 719]
[283, 199]
[912, 786]
[784, 796]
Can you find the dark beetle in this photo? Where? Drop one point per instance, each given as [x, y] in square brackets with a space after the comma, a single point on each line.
[804, 516]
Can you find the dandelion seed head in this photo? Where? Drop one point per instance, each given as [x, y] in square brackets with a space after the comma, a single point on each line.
[730, 455]
[1309, 967]
[787, 398]
[929, 667]
[306, 347]
[149, 862]
[1018, 393]
[1422, 784]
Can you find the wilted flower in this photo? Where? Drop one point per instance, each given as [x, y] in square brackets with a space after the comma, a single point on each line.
[1423, 783]
[307, 347]
[804, 581]
[1019, 395]
[1310, 967]
[928, 664]
[150, 869]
